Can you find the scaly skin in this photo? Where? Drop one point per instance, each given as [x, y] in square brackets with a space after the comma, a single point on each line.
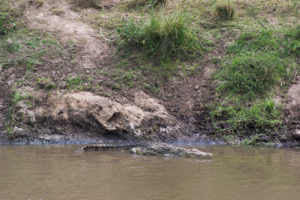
[150, 148]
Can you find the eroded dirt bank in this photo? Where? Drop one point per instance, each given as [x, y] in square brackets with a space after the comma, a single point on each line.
[83, 90]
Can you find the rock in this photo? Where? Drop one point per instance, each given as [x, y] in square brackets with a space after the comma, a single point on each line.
[18, 131]
[31, 116]
[24, 114]
[107, 116]
[294, 101]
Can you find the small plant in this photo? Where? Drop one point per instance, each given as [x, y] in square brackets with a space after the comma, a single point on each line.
[46, 83]
[16, 98]
[7, 23]
[74, 83]
[86, 3]
[225, 9]
[293, 40]
[164, 36]
[252, 140]
[146, 3]
[127, 78]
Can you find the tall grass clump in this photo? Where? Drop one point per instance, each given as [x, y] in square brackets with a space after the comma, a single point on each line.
[251, 76]
[164, 36]
[224, 9]
[146, 3]
[86, 3]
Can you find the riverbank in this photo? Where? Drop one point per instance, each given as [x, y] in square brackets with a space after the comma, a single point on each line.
[72, 73]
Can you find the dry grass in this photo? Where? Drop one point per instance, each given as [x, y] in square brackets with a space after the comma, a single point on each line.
[86, 3]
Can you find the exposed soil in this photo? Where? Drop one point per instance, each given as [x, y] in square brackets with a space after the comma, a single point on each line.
[59, 18]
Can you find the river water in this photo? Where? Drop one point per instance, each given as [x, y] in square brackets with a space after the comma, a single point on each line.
[61, 173]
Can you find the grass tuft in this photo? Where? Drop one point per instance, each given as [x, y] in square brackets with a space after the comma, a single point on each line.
[86, 3]
[135, 4]
[225, 9]
[163, 37]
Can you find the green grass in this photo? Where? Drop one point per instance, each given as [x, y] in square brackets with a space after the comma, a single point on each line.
[25, 49]
[74, 83]
[164, 37]
[12, 116]
[126, 78]
[260, 41]
[7, 19]
[256, 67]
[252, 76]
[224, 9]
[136, 4]
[293, 41]
[239, 120]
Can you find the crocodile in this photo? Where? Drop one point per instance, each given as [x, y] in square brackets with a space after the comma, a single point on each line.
[150, 148]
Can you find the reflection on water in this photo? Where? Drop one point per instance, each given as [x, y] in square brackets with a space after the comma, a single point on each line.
[59, 173]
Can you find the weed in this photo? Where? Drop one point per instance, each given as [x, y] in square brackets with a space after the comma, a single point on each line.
[74, 83]
[7, 22]
[146, 3]
[293, 40]
[86, 3]
[46, 83]
[225, 9]
[252, 140]
[164, 37]
[16, 98]
[127, 78]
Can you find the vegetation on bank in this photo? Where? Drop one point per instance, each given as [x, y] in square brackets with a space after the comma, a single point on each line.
[157, 40]
[164, 37]
[257, 67]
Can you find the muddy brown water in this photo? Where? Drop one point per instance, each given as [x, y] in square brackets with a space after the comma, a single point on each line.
[61, 173]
